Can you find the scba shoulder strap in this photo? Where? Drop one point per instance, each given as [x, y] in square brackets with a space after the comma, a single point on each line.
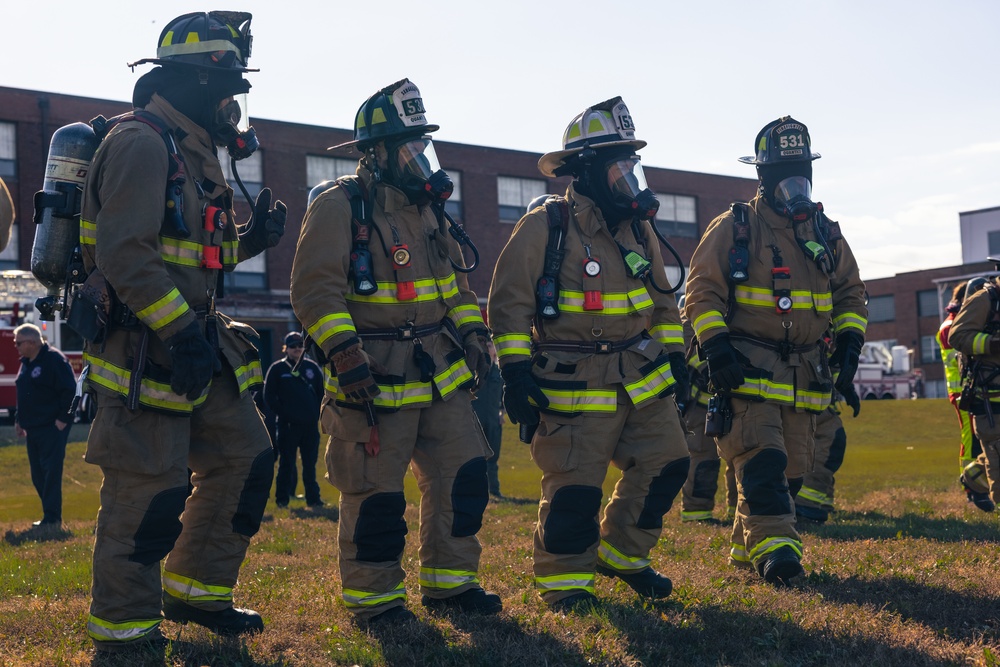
[361, 272]
[547, 287]
[739, 254]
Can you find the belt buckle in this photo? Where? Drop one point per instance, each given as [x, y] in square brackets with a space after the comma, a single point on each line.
[406, 332]
[603, 347]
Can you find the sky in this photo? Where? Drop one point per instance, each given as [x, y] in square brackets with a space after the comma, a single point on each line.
[901, 97]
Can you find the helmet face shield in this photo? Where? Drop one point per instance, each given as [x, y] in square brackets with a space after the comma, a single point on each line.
[233, 111]
[793, 197]
[415, 159]
[625, 177]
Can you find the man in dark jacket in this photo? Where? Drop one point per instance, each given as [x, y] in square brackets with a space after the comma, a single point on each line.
[293, 389]
[45, 390]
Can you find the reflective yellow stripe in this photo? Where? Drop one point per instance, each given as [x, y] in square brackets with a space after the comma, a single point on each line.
[394, 396]
[230, 252]
[707, 321]
[823, 302]
[107, 631]
[427, 290]
[462, 315]
[512, 345]
[181, 252]
[570, 401]
[452, 377]
[815, 495]
[448, 286]
[164, 310]
[980, 343]
[786, 394]
[354, 598]
[850, 321]
[801, 299]
[330, 325]
[192, 590]
[770, 544]
[249, 375]
[668, 334]
[566, 581]
[618, 561]
[88, 232]
[737, 551]
[615, 303]
[432, 577]
[151, 394]
[651, 385]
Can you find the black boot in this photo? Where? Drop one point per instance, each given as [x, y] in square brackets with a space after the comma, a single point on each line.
[646, 582]
[390, 617]
[474, 600]
[578, 603]
[811, 513]
[780, 567]
[227, 622]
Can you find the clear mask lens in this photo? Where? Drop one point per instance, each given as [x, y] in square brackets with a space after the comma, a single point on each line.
[233, 111]
[625, 177]
[416, 159]
[793, 190]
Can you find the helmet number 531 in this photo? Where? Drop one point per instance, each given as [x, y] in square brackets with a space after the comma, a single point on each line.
[791, 141]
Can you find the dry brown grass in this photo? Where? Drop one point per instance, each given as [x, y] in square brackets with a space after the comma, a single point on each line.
[904, 575]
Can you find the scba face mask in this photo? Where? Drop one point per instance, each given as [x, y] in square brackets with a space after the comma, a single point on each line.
[415, 169]
[231, 128]
[793, 199]
[626, 183]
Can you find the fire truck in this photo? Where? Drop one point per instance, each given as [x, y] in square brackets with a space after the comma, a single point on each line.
[885, 372]
[18, 291]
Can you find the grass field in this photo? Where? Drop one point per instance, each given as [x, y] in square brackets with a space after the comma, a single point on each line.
[905, 573]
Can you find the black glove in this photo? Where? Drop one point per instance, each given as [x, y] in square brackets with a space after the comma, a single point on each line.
[477, 356]
[192, 362]
[853, 400]
[518, 387]
[846, 353]
[724, 369]
[266, 227]
[679, 369]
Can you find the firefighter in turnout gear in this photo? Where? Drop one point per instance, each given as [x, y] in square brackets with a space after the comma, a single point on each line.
[969, 447]
[379, 285]
[187, 462]
[767, 280]
[591, 351]
[975, 332]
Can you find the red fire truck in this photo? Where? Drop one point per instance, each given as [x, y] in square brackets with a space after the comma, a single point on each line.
[18, 291]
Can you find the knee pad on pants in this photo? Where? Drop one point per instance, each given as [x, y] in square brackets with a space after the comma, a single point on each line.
[160, 526]
[571, 526]
[662, 491]
[794, 486]
[253, 498]
[706, 479]
[469, 497]
[836, 456]
[380, 533]
[764, 485]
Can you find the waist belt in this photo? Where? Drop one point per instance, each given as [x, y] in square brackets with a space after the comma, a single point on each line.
[405, 332]
[784, 348]
[591, 347]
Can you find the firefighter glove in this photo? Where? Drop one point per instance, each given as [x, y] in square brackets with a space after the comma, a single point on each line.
[724, 369]
[518, 387]
[192, 362]
[265, 227]
[679, 369]
[477, 355]
[354, 371]
[846, 354]
[853, 400]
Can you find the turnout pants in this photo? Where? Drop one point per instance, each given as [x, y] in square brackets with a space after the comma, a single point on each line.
[698, 493]
[969, 448]
[212, 470]
[304, 439]
[444, 446]
[770, 447]
[648, 446]
[46, 453]
[989, 438]
[831, 441]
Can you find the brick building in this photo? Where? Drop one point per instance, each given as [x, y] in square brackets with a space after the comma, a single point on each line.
[493, 186]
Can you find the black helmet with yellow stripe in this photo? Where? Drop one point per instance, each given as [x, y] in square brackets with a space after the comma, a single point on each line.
[393, 112]
[217, 40]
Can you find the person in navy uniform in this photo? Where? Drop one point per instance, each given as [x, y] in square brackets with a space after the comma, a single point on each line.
[45, 390]
[293, 389]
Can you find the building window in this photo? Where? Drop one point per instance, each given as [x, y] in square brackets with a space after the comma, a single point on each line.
[993, 241]
[320, 168]
[678, 216]
[251, 172]
[927, 303]
[882, 308]
[250, 274]
[453, 205]
[514, 195]
[8, 150]
[930, 351]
